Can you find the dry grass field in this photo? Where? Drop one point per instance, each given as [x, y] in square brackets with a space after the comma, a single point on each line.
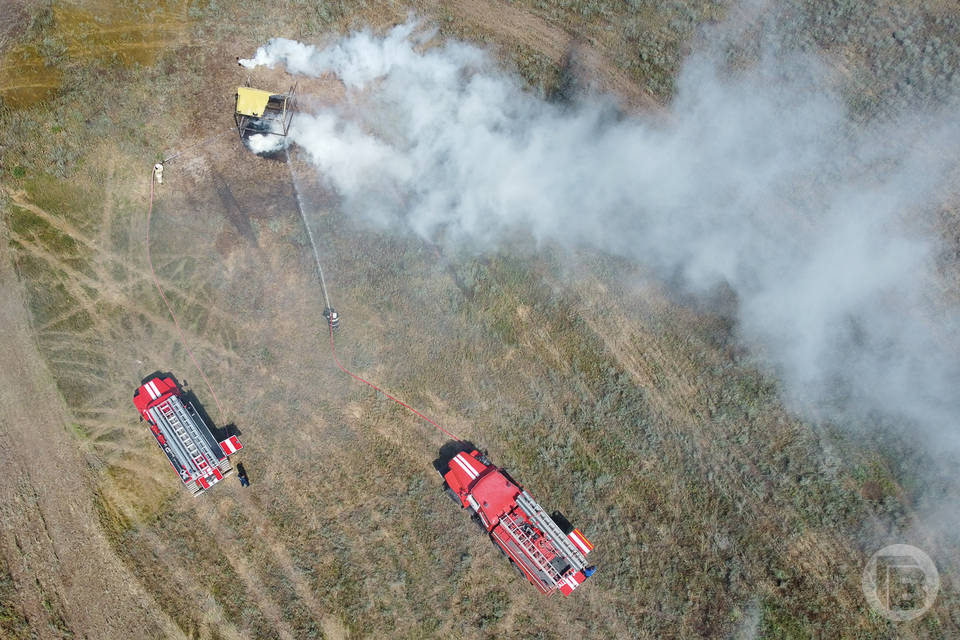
[715, 512]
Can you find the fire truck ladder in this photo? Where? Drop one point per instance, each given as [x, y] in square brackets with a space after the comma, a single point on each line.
[186, 432]
[224, 464]
[530, 548]
[546, 524]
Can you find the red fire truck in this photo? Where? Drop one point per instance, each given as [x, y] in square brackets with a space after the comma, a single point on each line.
[545, 548]
[183, 436]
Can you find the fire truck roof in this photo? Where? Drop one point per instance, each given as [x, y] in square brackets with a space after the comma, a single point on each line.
[495, 494]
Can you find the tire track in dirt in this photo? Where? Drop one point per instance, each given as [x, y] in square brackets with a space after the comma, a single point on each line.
[108, 256]
[84, 366]
[281, 555]
[206, 604]
[232, 548]
[106, 223]
[60, 560]
[115, 295]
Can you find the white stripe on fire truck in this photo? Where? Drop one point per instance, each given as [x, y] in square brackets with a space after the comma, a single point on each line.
[153, 385]
[465, 460]
[470, 471]
[470, 460]
[149, 389]
[577, 541]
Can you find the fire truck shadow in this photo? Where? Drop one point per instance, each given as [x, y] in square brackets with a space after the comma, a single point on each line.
[449, 451]
[220, 433]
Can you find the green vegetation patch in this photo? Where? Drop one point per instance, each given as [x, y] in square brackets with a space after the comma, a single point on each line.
[48, 297]
[79, 431]
[80, 202]
[56, 243]
[778, 623]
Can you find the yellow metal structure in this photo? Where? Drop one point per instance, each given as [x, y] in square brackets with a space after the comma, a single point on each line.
[252, 102]
[264, 112]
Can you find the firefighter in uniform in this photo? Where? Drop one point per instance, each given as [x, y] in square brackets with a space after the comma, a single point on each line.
[332, 317]
[242, 475]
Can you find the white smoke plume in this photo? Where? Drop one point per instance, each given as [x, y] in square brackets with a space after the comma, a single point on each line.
[261, 143]
[757, 180]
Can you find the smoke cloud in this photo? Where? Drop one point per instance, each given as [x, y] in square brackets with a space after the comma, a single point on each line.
[758, 180]
[264, 144]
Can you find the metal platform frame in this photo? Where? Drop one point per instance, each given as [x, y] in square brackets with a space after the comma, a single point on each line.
[283, 115]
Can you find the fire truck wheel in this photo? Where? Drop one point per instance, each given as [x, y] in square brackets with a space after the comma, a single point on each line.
[507, 555]
[452, 494]
[475, 518]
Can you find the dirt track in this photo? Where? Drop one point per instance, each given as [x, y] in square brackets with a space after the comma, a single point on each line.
[64, 570]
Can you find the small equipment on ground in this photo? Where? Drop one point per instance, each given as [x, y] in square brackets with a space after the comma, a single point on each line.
[545, 548]
[183, 436]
